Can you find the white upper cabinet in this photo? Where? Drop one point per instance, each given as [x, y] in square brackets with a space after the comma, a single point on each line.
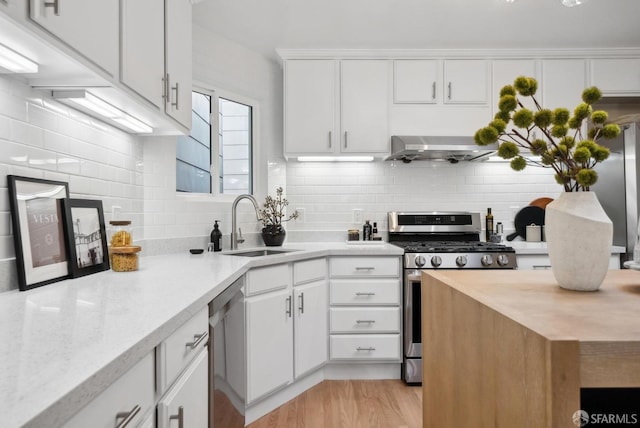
[465, 81]
[505, 72]
[336, 107]
[616, 77]
[143, 49]
[364, 94]
[310, 98]
[89, 27]
[156, 54]
[178, 66]
[415, 81]
[563, 81]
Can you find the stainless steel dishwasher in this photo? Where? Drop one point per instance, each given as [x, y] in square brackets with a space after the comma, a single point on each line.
[227, 373]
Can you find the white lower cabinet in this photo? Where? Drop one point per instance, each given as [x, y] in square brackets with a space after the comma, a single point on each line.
[311, 331]
[126, 401]
[365, 309]
[269, 343]
[286, 328]
[182, 375]
[186, 402]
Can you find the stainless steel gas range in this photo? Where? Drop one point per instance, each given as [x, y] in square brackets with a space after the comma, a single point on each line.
[437, 240]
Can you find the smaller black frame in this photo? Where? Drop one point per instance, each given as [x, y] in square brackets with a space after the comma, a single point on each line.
[87, 238]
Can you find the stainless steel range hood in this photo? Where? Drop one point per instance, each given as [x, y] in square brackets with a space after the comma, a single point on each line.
[451, 149]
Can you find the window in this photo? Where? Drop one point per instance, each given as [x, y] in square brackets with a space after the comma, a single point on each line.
[231, 145]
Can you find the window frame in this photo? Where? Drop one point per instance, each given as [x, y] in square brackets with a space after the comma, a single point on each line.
[256, 171]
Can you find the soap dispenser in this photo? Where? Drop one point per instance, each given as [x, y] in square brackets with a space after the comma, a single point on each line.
[216, 236]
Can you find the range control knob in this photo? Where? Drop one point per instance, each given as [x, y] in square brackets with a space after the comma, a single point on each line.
[461, 261]
[420, 261]
[503, 260]
[486, 260]
[436, 261]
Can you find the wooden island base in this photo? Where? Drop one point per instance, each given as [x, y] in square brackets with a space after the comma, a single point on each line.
[512, 349]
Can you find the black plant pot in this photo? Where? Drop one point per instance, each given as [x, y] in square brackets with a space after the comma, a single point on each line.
[273, 236]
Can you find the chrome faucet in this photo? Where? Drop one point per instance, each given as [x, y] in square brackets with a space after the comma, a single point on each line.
[235, 239]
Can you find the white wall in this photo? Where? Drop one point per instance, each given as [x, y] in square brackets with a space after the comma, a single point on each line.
[43, 139]
[330, 192]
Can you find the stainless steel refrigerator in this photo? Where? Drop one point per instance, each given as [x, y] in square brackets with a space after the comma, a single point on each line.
[618, 185]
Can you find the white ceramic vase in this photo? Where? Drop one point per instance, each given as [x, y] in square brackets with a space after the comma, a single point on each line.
[579, 236]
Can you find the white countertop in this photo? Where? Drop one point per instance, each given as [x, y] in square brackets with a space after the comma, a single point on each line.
[65, 342]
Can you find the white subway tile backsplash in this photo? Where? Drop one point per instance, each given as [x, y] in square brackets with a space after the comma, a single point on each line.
[25, 133]
[41, 117]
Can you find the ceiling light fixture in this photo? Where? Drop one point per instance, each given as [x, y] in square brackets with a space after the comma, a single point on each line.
[16, 63]
[87, 101]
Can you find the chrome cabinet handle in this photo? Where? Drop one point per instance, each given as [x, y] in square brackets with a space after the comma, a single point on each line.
[370, 348]
[365, 321]
[433, 90]
[197, 339]
[166, 89]
[365, 268]
[365, 293]
[449, 94]
[177, 89]
[345, 139]
[289, 306]
[301, 307]
[179, 417]
[128, 416]
[55, 5]
[540, 267]
[330, 138]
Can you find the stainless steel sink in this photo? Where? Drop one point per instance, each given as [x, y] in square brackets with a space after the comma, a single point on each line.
[258, 253]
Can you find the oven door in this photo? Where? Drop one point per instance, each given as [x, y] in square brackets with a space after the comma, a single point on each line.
[412, 314]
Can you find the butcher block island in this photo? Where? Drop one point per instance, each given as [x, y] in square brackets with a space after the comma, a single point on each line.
[513, 349]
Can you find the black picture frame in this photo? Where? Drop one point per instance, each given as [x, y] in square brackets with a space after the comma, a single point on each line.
[39, 230]
[88, 252]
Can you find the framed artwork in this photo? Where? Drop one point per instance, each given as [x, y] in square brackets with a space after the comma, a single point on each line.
[39, 223]
[86, 236]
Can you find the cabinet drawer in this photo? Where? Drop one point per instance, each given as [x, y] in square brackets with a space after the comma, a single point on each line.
[365, 292]
[131, 395]
[309, 270]
[365, 320]
[175, 352]
[268, 278]
[365, 347]
[365, 266]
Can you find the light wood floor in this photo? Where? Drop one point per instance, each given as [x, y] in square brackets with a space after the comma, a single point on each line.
[350, 404]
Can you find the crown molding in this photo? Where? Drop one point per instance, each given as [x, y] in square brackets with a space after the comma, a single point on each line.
[286, 54]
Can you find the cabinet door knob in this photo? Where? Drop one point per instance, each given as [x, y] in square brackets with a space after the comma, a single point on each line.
[433, 90]
[128, 416]
[330, 138]
[289, 306]
[449, 89]
[365, 293]
[345, 139]
[370, 348]
[179, 417]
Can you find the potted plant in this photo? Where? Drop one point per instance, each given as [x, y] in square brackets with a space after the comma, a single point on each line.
[272, 216]
[578, 231]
